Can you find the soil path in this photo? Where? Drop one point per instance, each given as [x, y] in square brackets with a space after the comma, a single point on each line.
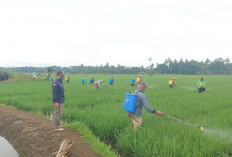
[33, 136]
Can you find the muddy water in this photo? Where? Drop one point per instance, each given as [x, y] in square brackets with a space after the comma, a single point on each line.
[6, 149]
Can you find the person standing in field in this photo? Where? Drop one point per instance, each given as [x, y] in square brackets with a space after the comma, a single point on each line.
[33, 75]
[98, 83]
[111, 81]
[83, 80]
[58, 99]
[139, 79]
[201, 85]
[141, 102]
[132, 81]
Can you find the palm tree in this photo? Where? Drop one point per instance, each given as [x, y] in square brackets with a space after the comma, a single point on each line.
[181, 64]
[207, 65]
[50, 70]
[227, 61]
[151, 66]
[166, 62]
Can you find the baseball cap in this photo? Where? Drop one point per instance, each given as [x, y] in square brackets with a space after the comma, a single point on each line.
[60, 72]
[144, 84]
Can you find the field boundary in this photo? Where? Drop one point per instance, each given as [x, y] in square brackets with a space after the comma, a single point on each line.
[100, 148]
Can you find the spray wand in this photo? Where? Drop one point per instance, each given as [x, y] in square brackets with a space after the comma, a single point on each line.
[201, 128]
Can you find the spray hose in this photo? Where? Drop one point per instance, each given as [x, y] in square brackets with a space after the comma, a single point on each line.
[201, 128]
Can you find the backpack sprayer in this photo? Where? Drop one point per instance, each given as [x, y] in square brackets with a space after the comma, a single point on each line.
[129, 105]
[200, 127]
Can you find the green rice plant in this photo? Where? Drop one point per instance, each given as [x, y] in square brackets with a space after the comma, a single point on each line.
[101, 111]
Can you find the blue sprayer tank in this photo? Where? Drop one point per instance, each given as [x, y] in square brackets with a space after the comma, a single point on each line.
[130, 102]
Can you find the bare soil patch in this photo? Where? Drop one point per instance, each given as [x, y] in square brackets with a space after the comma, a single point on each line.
[32, 135]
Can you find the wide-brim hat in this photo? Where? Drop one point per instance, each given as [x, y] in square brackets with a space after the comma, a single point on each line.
[144, 84]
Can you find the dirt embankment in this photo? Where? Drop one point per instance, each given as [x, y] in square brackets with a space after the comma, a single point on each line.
[33, 136]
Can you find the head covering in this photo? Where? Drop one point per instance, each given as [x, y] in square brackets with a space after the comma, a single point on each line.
[60, 72]
[202, 79]
[143, 83]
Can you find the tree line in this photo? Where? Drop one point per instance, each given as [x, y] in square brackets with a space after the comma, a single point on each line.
[218, 66]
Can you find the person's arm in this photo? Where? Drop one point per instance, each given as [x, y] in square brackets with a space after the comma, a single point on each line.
[145, 103]
[148, 108]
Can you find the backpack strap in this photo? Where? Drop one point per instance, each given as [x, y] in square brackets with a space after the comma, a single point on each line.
[133, 92]
[136, 93]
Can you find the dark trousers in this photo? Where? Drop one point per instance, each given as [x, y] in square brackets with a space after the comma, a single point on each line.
[201, 90]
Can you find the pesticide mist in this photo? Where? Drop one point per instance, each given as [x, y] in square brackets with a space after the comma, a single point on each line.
[220, 135]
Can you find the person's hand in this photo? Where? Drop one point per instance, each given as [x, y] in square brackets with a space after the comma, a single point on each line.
[56, 105]
[159, 113]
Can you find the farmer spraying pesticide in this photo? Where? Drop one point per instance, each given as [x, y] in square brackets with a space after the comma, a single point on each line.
[132, 81]
[172, 82]
[98, 84]
[33, 76]
[91, 81]
[83, 80]
[111, 81]
[68, 79]
[201, 85]
[135, 102]
[139, 79]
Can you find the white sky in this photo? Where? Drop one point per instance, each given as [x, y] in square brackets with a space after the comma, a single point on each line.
[125, 32]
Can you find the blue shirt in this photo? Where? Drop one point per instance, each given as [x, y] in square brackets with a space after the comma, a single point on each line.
[90, 80]
[110, 80]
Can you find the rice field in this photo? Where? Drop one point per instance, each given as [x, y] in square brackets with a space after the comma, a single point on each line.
[102, 112]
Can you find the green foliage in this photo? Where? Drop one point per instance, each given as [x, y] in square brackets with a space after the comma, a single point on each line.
[218, 66]
[50, 69]
[101, 112]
